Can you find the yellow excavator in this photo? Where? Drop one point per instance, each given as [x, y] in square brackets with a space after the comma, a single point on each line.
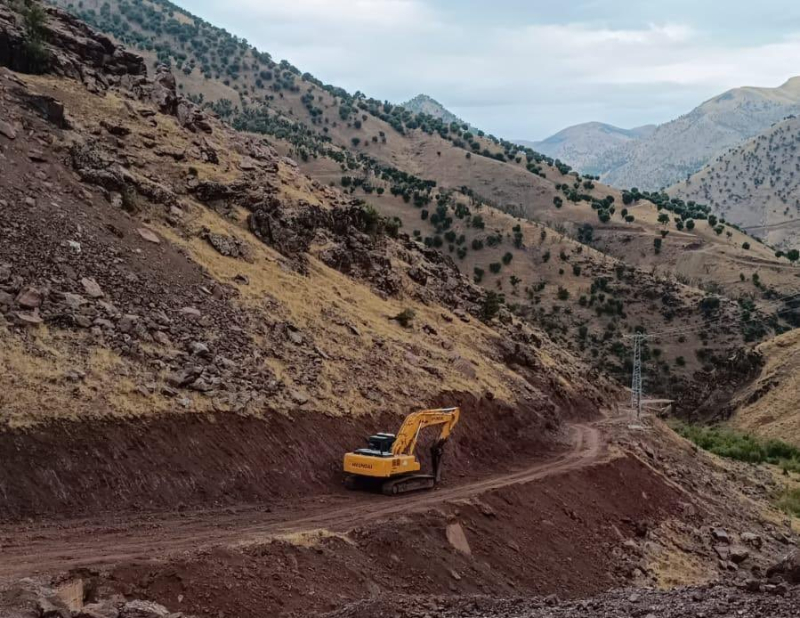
[389, 464]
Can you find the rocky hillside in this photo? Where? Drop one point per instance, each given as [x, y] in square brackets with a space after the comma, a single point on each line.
[585, 146]
[674, 150]
[162, 268]
[756, 185]
[494, 207]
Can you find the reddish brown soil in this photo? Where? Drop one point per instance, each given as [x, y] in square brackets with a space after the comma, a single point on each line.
[111, 538]
[560, 535]
[70, 469]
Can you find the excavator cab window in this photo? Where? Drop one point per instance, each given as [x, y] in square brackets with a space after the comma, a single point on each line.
[379, 445]
[381, 442]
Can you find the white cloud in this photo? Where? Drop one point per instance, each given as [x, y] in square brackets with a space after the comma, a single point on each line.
[518, 80]
[380, 13]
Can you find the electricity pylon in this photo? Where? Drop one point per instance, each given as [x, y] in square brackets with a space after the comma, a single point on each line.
[636, 382]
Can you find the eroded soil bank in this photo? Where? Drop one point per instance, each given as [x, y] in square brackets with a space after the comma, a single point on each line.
[66, 469]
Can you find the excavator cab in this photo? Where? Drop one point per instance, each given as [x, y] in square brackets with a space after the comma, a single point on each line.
[389, 463]
[380, 445]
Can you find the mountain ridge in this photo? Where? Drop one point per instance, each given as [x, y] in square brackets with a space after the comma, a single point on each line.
[669, 152]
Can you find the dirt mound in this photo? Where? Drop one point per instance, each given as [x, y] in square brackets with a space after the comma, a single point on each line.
[537, 539]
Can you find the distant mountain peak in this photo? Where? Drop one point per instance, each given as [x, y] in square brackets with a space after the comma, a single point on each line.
[426, 104]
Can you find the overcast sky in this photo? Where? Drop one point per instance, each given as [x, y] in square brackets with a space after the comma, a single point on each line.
[525, 69]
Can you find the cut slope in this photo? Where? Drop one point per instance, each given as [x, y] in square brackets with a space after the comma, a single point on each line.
[376, 147]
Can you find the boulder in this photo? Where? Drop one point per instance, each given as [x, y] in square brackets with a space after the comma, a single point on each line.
[788, 568]
[7, 130]
[98, 610]
[74, 301]
[30, 298]
[149, 235]
[92, 288]
[739, 553]
[143, 609]
[28, 319]
[190, 312]
[752, 539]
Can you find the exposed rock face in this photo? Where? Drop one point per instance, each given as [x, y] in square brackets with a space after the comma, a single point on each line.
[74, 50]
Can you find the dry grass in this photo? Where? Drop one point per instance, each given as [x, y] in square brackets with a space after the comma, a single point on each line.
[673, 566]
[36, 382]
[325, 303]
[768, 407]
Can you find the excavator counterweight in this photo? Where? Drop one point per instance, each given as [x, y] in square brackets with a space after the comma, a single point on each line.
[389, 463]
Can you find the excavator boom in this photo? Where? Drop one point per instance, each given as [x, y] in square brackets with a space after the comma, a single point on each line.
[390, 461]
[406, 441]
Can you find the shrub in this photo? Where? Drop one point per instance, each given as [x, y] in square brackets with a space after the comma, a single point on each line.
[741, 446]
[34, 19]
[495, 267]
[563, 293]
[405, 317]
[789, 502]
[491, 305]
[507, 258]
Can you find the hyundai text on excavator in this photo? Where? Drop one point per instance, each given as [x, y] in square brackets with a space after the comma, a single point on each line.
[389, 464]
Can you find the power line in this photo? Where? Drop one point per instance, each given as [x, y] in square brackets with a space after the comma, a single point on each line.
[706, 324]
[637, 392]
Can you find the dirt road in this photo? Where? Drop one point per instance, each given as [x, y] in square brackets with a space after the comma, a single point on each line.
[44, 548]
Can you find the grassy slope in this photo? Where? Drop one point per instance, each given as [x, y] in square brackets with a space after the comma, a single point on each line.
[769, 405]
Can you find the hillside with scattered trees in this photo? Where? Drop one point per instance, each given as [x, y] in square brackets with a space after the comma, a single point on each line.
[587, 263]
[756, 185]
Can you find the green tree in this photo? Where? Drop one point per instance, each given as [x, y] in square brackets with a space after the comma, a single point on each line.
[491, 305]
[34, 21]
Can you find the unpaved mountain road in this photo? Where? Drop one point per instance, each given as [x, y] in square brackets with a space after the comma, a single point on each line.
[52, 547]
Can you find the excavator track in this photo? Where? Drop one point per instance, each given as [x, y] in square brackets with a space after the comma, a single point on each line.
[404, 484]
[390, 487]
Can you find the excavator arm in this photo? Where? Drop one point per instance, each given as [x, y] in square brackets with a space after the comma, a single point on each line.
[406, 440]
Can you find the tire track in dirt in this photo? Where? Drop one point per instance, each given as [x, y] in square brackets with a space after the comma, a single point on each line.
[94, 543]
